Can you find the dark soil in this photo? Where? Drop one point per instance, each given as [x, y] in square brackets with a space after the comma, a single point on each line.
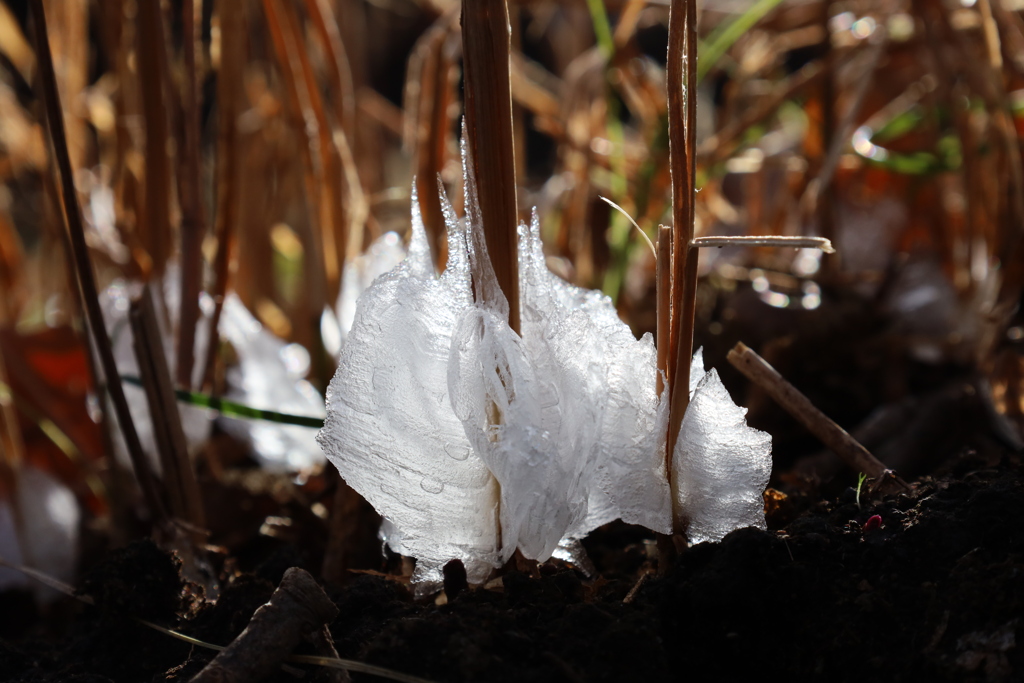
[935, 592]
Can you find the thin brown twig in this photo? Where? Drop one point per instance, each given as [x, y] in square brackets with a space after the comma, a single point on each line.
[313, 660]
[764, 241]
[844, 130]
[352, 211]
[321, 177]
[83, 268]
[720, 145]
[758, 371]
[429, 82]
[297, 608]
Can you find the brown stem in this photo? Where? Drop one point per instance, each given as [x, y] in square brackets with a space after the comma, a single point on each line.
[682, 118]
[428, 121]
[83, 268]
[488, 96]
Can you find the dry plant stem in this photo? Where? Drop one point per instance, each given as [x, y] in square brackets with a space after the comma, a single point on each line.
[229, 104]
[817, 187]
[758, 371]
[179, 477]
[663, 290]
[1013, 220]
[298, 608]
[83, 268]
[193, 222]
[337, 63]
[322, 178]
[682, 118]
[326, 166]
[291, 70]
[150, 53]
[764, 241]
[353, 209]
[488, 97]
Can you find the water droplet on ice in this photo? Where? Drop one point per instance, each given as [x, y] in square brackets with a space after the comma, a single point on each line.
[459, 453]
[431, 486]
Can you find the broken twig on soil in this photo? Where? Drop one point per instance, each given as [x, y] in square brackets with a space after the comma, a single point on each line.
[853, 453]
[298, 608]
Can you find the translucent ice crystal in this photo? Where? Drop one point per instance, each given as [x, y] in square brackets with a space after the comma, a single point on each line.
[720, 466]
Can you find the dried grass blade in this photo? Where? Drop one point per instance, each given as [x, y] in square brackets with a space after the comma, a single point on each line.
[430, 79]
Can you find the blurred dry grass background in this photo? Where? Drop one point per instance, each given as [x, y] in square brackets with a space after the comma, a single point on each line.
[261, 145]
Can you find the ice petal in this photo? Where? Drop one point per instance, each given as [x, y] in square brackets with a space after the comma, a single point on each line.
[720, 466]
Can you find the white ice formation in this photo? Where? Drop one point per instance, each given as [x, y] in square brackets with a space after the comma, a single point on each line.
[473, 441]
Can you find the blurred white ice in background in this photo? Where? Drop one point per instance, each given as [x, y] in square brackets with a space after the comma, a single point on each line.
[49, 514]
[269, 375]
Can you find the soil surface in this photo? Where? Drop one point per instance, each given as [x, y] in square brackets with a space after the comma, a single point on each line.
[926, 585]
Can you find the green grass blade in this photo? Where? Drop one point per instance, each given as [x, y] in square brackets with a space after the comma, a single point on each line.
[233, 409]
[723, 37]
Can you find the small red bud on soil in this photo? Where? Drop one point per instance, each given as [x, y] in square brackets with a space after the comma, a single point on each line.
[874, 522]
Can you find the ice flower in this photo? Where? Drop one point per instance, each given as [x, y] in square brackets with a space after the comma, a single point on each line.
[473, 441]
